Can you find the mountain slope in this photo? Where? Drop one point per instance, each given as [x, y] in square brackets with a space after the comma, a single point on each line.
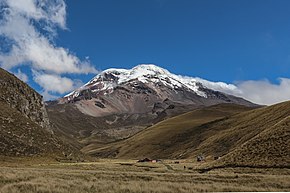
[270, 148]
[24, 125]
[118, 103]
[20, 96]
[19, 136]
[169, 138]
[81, 129]
[258, 137]
[136, 90]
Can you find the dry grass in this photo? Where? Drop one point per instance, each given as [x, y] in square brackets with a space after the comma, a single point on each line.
[129, 176]
[167, 139]
[269, 148]
[257, 138]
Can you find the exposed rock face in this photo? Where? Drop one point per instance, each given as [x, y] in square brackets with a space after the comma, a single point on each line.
[24, 125]
[20, 96]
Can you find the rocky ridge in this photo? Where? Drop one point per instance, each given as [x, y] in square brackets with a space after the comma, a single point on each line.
[20, 96]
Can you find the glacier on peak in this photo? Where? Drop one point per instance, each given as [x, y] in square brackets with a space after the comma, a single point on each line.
[150, 73]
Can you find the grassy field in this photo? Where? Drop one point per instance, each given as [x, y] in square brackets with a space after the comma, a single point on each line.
[129, 176]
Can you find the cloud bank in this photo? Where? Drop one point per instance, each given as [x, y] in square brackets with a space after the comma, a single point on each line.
[265, 92]
[28, 28]
[260, 92]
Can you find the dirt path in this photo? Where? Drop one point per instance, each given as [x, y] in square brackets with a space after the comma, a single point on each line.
[281, 121]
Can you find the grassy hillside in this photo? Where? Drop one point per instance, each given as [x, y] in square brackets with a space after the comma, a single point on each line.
[223, 136]
[270, 148]
[167, 139]
[258, 137]
[19, 136]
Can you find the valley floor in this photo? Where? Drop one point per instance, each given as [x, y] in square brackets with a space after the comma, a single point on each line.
[117, 176]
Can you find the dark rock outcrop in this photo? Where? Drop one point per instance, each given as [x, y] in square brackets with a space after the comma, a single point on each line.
[20, 96]
[24, 125]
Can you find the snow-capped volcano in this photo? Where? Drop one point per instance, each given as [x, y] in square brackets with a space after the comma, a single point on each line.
[144, 89]
[150, 74]
[118, 103]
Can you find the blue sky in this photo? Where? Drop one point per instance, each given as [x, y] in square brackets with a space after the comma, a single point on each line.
[221, 40]
[243, 42]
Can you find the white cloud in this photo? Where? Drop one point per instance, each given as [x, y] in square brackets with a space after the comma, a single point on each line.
[260, 92]
[265, 92]
[22, 76]
[48, 96]
[32, 47]
[220, 86]
[29, 46]
[44, 56]
[53, 12]
[55, 83]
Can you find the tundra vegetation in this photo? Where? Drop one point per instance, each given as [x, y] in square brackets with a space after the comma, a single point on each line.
[115, 175]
